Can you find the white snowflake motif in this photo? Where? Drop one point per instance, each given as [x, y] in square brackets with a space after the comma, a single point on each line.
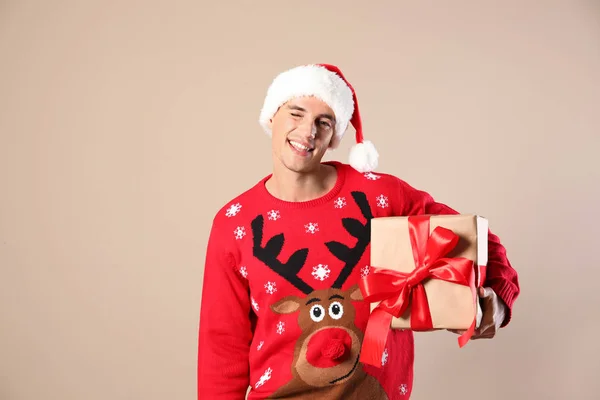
[271, 287]
[244, 272]
[382, 201]
[339, 202]
[321, 272]
[384, 357]
[403, 389]
[239, 232]
[312, 227]
[273, 215]
[265, 377]
[364, 271]
[371, 176]
[254, 304]
[260, 345]
[233, 210]
[280, 327]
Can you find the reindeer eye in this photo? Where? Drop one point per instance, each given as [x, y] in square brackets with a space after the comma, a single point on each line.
[317, 313]
[336, 310]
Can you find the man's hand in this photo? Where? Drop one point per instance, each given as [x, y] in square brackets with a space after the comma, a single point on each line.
[494, 312]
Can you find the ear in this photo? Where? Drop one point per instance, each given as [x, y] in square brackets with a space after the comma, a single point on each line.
[270, 123]
[355, 293]
[286, 305]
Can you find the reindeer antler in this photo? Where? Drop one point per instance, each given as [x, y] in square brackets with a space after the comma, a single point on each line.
[362, 232]
[269, 253]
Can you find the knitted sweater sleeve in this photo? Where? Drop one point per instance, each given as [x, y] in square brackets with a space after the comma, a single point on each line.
[500, 276]
[225, 330]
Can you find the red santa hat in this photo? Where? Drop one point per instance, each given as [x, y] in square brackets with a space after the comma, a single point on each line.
[327, 83]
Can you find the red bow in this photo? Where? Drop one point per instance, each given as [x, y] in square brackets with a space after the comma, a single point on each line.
[394, 289]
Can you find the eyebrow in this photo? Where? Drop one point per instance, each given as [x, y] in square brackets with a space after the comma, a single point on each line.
[298, 108]
[294, 107]
[336, 296]
[312, 300]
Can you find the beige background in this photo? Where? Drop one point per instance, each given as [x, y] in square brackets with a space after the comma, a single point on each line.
[120, 121]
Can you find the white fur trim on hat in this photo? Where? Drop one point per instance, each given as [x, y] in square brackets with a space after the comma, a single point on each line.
[310, 80]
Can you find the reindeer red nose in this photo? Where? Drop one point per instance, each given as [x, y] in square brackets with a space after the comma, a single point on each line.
[328, 347]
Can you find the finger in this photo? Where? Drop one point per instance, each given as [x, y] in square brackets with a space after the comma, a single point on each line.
[488, 331]
[489, 310]
[484, 328]
[488, 334]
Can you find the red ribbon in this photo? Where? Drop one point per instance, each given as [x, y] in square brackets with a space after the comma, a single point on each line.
[394, 289]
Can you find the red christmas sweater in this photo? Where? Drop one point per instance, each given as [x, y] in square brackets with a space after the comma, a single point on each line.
[281, 310]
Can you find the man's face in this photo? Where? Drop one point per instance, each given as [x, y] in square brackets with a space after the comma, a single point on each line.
[302, 131]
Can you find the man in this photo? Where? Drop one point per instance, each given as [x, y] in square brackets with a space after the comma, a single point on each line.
[281, 311]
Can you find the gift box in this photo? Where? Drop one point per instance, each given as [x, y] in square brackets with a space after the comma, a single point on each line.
[425, 273]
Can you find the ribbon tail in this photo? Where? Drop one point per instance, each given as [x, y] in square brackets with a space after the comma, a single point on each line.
[465, 337]
[375, 337]
[420, 315]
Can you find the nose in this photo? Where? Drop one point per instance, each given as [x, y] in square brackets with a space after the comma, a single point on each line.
[308, 129]
[329, 347]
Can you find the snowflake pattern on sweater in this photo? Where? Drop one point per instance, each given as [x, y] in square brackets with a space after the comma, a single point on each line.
[281, 308]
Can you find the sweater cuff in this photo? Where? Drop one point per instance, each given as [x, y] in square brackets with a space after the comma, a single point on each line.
[507, 292]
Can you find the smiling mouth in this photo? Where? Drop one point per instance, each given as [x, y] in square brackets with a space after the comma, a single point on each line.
[300, 147]
[349, 373]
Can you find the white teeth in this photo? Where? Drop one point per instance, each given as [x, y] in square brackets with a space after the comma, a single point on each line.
[298, 145]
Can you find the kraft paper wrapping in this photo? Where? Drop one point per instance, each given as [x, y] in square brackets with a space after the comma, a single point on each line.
[451, 305]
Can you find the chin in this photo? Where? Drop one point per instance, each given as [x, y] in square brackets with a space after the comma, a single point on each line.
[297, 163]
[300, 167]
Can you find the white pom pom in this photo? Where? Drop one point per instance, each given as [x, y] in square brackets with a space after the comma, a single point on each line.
[364, 157]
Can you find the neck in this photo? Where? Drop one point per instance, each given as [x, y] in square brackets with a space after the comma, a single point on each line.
[289, 185]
